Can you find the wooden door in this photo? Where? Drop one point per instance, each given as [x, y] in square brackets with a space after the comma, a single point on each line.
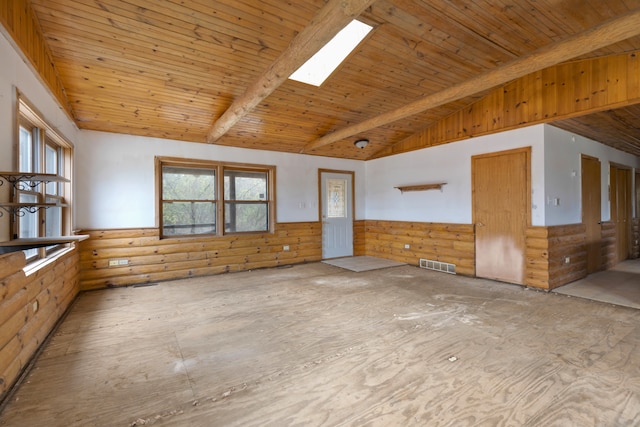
[637, 195]
[336, 202]
[621, 209]
[591, 212]
[501, 212]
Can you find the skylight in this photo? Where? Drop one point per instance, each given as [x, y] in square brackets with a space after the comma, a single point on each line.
[326, 60]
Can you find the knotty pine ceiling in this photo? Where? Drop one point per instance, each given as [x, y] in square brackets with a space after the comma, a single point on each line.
[171, 68]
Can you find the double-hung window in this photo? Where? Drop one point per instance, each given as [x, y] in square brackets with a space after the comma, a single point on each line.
[188, 200]
[41, 150]
[214, 198]
[246, 207]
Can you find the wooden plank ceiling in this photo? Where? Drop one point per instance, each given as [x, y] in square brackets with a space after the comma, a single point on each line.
[171, 68]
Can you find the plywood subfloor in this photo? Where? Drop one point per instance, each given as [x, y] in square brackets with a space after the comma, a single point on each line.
[316, 345]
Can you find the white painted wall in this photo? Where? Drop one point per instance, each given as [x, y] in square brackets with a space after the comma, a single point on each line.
[563, 151]
[116, 187]
[450, 163]
[15, 73]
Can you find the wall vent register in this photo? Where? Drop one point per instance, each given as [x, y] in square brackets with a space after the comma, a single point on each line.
[444, 267]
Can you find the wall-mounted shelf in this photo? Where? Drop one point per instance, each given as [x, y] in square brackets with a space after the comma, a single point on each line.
[20, 209]
[37, 242]
[23, 181]
[421, 187]
[20, 179]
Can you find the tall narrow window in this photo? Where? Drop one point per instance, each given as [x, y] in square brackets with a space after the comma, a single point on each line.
[246, 198]
[28, 219]
[41, 151]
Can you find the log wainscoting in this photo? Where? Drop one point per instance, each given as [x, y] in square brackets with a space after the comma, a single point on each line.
[30, 306]
[121, 257]
[635, 242]
[609, 252]
[451, 243]
[548, 249]
[359, 248]
[147, 258]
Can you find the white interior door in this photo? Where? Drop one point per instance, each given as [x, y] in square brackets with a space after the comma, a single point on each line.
[336, 201]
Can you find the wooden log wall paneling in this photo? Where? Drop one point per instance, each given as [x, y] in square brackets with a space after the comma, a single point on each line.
[30, 306]
[635, 242]
[151, 259]
[359, 248]
[19, 21]
[609, 257]
[547, 250]
[451, 243]
[562, 91]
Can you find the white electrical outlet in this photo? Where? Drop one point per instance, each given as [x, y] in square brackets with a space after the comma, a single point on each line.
[407, 246]
[567, 260]
[285, 248]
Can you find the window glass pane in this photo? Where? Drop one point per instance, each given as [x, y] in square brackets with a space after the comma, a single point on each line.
[51, 166]
[188, 183]
[53, 220]
[243, 185]
[336, 198]
[185, 218]
[246, 217]
[26, 151]
[28, 223]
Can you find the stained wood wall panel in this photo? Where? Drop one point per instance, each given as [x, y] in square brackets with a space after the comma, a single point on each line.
[635, 242]
[608, 244]
[153, 259]
[359, 246]
[18, 20]
[452, 243]
[562, 91]
[547, 248]
[22, 327]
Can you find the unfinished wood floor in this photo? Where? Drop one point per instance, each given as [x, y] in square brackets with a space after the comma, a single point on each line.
[316, 345]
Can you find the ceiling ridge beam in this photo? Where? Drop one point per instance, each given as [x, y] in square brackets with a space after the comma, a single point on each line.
[602, 35]
[332, 18]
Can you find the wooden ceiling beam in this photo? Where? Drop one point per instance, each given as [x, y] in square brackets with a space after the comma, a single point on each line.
[560, 92]
[332, 18]
[602, 35]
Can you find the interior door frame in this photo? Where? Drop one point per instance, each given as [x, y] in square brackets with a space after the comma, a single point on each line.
[320, 201]
[527, 152]
[613, 182]
[637, 183]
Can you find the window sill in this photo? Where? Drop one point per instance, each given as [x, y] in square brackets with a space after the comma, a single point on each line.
[35, 266]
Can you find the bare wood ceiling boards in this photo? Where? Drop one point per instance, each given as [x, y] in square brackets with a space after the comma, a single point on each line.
[170, 68]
